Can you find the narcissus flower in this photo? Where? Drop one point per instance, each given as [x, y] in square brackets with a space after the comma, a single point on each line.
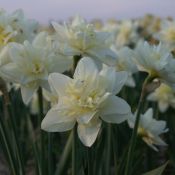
[150, 129]
[167, 33]
[81, 38]
[86, 99]
[30, 65]
[125, 62]
[26, 29]
[164, 95]
[16, 27]
[157, 61]
[7, 33]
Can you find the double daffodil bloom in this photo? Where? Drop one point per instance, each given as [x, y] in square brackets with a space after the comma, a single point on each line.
[31, 63]
[150, 129]
[157, 61]
[125, 62]
[81, 38]
[86, 99]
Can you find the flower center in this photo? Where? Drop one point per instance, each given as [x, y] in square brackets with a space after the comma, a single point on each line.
[38, 68]
[82, 97]
[4, 37]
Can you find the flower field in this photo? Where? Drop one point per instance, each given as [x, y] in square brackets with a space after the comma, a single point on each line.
[85, 97]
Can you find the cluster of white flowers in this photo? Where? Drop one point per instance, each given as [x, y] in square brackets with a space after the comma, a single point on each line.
[110, 55]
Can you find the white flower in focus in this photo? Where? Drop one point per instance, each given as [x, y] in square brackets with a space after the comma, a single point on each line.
[164, 95]
[125, 62]
[86, 99]
[150, 129]
[30, 65]
[81, 38]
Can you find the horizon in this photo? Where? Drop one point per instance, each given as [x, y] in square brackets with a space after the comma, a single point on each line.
[62, 10]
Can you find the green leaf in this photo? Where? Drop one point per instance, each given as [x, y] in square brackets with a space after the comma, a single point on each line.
[157, 171]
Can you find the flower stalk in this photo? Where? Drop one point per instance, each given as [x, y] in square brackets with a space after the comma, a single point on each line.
[134, 133]
[40, 104]
[108, 150]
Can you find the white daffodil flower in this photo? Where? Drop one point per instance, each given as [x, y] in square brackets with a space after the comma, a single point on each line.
[164, 95]
[30, 65]
[157, 61]
[150, 129]
[7, 33]
[86, 99]
[81, 38]
[16, 27]
[125, 62]
[26, 28]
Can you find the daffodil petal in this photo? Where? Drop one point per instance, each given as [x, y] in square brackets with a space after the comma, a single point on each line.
[86, 68]
[58, 82]
[85, 118]
[55, 122]
[88, 132]
[115, 105]
[27, 93]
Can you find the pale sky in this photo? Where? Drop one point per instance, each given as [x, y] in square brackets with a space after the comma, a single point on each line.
[44, 10]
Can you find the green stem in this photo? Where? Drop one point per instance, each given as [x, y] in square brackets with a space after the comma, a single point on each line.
[89, 163]
[50, 158]
[134, 133]
[74, 161]
[65, 156]
[12, 123]
[115, 149]
[4, 137]
[40, 104]
[8, 148]
[108, 151]
[156, 111]
[74, 165]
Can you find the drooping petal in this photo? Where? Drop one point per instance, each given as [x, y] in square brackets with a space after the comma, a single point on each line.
[88, 132]
[85, 118]
[121, 78]
[54, 121]
[27, 93]
[159, 141]
[163, 106]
